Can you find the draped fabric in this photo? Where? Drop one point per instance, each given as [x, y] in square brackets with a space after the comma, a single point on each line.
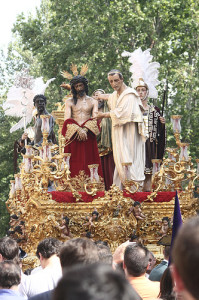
[139, 196]
[83, 153]
[108, 167]
[127, 135]
[104, 144]
[155, 144]
[104, 138]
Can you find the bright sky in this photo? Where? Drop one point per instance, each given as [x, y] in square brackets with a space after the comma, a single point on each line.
[8, 14]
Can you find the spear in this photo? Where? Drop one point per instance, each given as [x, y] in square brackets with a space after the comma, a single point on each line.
[164, 95]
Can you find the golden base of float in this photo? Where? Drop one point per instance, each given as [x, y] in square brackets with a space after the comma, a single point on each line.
[29, 198]
[115, 223]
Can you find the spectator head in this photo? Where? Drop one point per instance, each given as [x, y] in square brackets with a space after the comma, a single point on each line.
[136, 259]
[93, 282]
[48, 247]
[105, 255]
[152, 262]
[10, 274]
[78, 251]
[166, 286]
[166, 252]
[9, 249]
[185, 258]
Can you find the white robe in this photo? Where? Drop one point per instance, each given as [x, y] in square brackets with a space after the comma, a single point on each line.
[127, 135]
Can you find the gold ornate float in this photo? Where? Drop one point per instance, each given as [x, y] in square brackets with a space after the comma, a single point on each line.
[30, 199]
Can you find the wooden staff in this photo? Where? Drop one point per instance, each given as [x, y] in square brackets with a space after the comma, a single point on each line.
[164, 95]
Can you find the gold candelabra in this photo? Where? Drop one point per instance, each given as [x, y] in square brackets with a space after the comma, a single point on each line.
[92, 187]
[29, 197]
[176, 172]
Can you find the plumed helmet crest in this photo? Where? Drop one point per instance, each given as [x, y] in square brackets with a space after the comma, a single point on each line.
[144, 71]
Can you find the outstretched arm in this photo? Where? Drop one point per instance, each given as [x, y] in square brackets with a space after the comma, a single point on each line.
[95, 108]
[101, 115]
[102, 97]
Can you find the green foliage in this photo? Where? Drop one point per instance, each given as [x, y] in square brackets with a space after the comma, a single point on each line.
[97, 32]
[6, 166]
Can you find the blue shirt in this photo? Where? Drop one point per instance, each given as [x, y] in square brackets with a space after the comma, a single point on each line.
[7, 294]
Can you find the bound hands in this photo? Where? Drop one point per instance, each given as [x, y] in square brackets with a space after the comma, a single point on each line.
[82, 134]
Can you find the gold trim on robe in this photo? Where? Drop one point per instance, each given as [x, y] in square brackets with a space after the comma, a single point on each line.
[92, 126]
[71, 129]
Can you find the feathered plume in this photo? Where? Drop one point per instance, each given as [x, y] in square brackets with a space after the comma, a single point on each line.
[19, 102]
[142, 67]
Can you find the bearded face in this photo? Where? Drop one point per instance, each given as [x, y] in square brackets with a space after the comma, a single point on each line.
[80, 89]
[100, 104]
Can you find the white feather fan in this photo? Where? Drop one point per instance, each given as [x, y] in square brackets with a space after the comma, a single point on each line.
[142, 67]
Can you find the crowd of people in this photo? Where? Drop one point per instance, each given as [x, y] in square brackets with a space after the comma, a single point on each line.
[81, 268]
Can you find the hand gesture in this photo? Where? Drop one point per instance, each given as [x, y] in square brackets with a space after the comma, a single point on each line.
[162, 120]
[99, 115]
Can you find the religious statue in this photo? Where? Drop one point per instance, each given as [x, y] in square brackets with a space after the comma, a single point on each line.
[127, 130]
[144, 80]
[137, 211]
[90, 221]
[81, 128]
[165, 226]
[40, 105]
[64, 228]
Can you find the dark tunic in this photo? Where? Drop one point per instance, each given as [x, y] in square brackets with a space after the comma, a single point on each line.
[155, 144]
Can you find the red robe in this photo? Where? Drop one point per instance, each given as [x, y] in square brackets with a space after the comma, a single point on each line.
[83, 153]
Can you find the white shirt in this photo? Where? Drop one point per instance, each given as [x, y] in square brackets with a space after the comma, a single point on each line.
[44, 280]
